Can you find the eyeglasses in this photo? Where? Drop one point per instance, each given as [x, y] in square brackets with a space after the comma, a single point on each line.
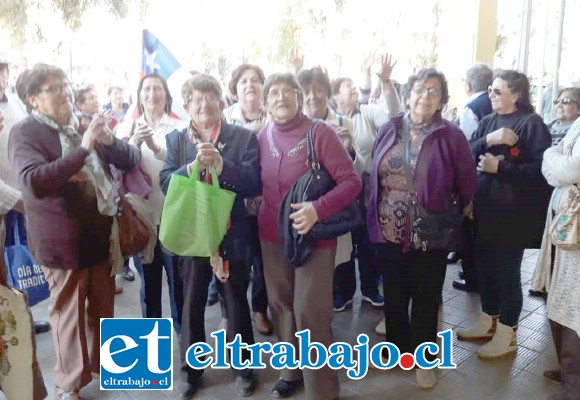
[421, 90]
[56, 89]
[565, 101]
[199, 100]
[274, 95]
[496, 91]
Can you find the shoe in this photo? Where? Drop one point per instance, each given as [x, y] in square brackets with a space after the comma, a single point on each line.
[245, 386]
[128, 274]
[118, 289]
[263, 323]
[461, 284]
[283, 389]
[212, 299]
[376, 300]
[453, 258]
[426, 378]
[189, 389]
[553, 375]
[537, 293]
[381, 328]
[484, 329]
[340, 304]
[64, 395]
[460, 274]
[503, 343]
[41, 326]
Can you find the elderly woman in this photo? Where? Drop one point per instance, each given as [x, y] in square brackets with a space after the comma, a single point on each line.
[300, 298]
[510, 208]
[246, 86]
[233, 151]
[442, 169]
[70, 206]
[147, 134]
[116, 103]
[567, 106]
[557, 270]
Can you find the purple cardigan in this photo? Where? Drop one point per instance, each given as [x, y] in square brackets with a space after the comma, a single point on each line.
[445, 166]
[65, 229]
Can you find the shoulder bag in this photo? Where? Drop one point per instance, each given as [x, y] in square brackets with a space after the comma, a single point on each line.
[315, 183]
[438, 231]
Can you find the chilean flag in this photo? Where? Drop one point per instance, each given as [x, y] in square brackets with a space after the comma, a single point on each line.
[156, 59]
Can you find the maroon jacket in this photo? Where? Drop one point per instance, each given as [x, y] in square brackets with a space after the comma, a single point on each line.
[65, 229]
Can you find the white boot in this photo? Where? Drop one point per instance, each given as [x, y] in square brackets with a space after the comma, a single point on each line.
[484, 328]
[504, 342]
[381, 328]
[426, 378]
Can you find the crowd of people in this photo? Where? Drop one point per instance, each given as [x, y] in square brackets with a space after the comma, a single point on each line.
[497, 167]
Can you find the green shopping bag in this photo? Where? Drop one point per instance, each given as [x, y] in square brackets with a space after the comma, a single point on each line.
[195, 215]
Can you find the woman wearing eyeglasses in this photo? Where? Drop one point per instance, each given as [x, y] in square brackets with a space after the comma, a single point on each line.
[233, 151]
[442, 169]
[567, 106]
[70, 207]
[509, 208]
[300, 298]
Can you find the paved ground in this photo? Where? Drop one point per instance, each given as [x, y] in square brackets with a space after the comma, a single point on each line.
[519, 377]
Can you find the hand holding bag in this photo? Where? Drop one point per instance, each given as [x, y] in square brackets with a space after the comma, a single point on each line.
[439, 231]
[195, 215]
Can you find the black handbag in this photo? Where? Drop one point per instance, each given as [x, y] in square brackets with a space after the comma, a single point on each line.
[315, 183]
[437, 231]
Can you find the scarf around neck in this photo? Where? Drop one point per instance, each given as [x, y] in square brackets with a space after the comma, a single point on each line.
[92, 171]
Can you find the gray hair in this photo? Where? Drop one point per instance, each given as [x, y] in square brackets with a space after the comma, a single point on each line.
[479, 76]
[283, 77]
[201, 83]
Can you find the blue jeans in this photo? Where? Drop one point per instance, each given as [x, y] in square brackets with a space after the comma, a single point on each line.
[500, 286]
[151, 286]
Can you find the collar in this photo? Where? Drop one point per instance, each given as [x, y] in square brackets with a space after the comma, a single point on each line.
[475, 96]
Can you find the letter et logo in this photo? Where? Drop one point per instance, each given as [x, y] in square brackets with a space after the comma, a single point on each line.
[136, 354]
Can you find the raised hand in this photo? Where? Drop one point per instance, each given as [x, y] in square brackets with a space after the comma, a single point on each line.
[387, 65]
[296, 59]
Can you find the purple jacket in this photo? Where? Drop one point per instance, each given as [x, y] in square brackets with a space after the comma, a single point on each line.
[445, 166]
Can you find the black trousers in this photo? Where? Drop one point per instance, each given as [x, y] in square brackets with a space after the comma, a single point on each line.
[259, 295]
[416, 278]
[196, 273]
[345, 274]
[466, 254]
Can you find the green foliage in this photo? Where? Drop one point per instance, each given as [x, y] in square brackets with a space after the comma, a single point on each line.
[14, 14]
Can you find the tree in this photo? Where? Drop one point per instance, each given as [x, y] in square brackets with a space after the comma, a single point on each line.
[14, 13]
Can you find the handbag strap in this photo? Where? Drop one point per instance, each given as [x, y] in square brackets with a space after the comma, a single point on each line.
[182, 149]
[312, 161]
[406, 139]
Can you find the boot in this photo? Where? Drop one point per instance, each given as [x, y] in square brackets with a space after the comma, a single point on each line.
[484, 329]
[503, 343]
[426, 378]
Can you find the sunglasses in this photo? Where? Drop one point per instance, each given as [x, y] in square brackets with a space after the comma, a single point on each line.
[565, 101]
[495, 91]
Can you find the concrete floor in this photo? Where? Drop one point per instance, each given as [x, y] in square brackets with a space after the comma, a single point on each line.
[518, 377]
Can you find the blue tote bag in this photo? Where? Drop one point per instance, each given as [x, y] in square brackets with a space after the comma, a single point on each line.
[23, 272]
